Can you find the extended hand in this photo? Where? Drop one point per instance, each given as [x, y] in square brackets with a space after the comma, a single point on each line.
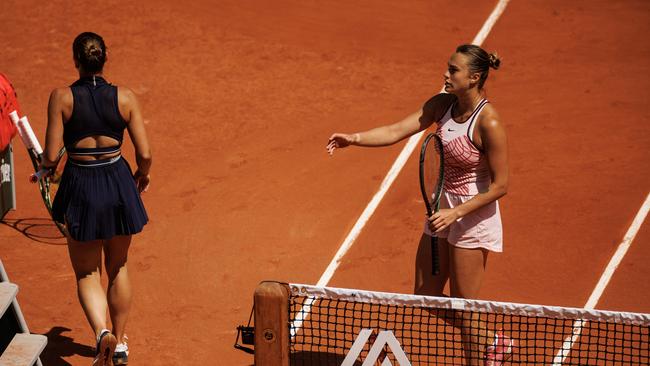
[340, 140]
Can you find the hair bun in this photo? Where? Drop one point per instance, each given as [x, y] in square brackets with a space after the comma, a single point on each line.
[94, 51]
[495, 61]
[89, 50]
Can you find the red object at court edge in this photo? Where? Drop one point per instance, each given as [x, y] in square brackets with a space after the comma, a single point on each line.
[8, 104]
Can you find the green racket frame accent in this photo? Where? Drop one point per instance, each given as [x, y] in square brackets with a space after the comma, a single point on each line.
[45, 183]
[432, 206]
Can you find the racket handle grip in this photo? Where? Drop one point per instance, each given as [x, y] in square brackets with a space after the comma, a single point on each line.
[28, 136]
[13, 116]
[39, 175]
[435, 256]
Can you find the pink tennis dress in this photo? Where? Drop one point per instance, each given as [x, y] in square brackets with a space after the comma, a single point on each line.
[466, 174]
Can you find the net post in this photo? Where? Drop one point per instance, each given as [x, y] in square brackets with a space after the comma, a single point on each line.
[272, 324]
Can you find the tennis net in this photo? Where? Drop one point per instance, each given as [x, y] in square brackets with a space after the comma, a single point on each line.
[298, 324]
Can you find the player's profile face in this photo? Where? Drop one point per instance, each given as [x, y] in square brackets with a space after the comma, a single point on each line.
[457, 76]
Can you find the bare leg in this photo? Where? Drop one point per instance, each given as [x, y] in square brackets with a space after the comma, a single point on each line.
[119, 287]
[425, 282]
[428, 284]
[466, 278]
[86, 259]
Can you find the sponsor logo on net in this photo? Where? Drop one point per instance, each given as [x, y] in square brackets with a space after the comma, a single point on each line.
[385, 338]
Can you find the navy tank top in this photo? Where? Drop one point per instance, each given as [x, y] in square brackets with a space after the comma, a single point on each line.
[95, 112]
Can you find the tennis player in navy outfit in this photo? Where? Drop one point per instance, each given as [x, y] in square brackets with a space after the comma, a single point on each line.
[99, 196]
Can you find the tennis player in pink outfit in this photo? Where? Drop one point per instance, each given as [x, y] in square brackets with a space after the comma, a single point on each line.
[468, 224]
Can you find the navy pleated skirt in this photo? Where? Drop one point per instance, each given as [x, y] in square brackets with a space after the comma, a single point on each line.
[98, 200]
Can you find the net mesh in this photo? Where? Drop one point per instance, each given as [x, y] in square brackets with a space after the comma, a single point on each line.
[330, 326]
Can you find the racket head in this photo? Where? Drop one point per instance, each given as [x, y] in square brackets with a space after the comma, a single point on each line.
[49, 185]
[431, 172]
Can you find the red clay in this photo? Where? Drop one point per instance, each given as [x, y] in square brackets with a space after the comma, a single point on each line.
[239, 99]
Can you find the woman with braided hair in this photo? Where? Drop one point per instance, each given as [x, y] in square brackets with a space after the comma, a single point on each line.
[99, 197]
[468, 225]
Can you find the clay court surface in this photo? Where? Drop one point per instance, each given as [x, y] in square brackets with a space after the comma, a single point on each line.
[239, 99]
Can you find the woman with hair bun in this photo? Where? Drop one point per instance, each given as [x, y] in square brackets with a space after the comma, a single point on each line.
[99, 196]
[468, 225]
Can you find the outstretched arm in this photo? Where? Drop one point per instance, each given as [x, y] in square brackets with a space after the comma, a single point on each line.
[390, 134]
[380, 136]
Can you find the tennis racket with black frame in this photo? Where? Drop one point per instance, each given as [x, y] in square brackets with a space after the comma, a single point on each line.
[431, 183]
[48, 181]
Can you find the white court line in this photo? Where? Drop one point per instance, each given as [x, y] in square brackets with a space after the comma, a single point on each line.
[620, 253]
[604, 279]
[386, 183]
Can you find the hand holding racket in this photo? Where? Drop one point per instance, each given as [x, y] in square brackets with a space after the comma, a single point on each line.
[47, 178]
[40, 174]
[431, 183]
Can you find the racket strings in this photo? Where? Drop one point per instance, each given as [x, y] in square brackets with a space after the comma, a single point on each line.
[432, 170]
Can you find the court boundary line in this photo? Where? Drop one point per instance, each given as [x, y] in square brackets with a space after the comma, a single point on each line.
[398, 164]
[613, 264]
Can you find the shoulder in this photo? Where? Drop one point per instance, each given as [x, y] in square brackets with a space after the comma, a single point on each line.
[61, 92]
[125, 93]
[440, 101]
[61, 95]
[489, 122]
[126, 97]
[435, 108]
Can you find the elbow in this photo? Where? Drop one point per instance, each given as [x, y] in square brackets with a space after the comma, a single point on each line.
[498, 189]
[502, 190]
